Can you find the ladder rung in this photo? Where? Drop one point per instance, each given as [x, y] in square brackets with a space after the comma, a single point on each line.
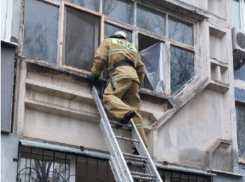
[142, 174]
[134, 156]
[138, 175]
[127, 139]
[136, 163]
[144, 178]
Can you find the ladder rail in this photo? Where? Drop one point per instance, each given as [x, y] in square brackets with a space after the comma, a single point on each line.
[117, 160]
[150, 167]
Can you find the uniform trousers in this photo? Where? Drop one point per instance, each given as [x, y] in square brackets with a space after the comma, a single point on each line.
[124, 99]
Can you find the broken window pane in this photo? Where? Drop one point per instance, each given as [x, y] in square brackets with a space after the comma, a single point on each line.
[180, 31]
[153, 58]
[111, 29]
[41, 31]
[182, 67]
[240, 114]
[120, 10]
[90, 4]
[82, 36]
[150, 20]
[145, 42]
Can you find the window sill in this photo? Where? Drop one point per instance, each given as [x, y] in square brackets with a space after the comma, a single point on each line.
[241, 160]
[224, 172]
[9, 43]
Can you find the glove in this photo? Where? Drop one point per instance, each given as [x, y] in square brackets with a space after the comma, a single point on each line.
[92, 79]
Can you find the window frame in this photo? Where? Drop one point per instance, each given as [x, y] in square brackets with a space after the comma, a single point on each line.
[135, 36]
[62, 32]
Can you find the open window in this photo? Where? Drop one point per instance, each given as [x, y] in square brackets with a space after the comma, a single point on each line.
[81, 36]
[145, 47]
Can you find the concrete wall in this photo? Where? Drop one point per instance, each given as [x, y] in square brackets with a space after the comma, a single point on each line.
[197, 129]
[9, 151]
[56, 107]
[185, 138]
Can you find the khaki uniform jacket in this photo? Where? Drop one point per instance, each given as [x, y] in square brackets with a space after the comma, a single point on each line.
[113, 50]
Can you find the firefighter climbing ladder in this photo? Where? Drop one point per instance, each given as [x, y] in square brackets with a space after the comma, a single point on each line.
[119, 161]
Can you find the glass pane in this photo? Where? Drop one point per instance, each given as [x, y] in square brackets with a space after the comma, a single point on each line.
[236, 13]
[90, 4]
[82, 37]
[153, 58]
[240, 114]
[239, 73]
[150, 20]
[41, 30]
[4, 9]
[180, 31]
[120, 10]
[111, 29]
[240, 94]
[182, 67]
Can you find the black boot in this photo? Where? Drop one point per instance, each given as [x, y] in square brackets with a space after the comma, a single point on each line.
[126, 119]
[135, 151]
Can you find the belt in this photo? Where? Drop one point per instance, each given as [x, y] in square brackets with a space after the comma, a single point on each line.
[123, 63]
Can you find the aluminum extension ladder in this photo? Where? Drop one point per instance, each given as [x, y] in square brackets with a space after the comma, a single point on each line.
[119, 161]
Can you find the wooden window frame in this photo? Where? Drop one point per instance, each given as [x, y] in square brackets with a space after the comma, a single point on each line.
[164, 38]
[62, 36]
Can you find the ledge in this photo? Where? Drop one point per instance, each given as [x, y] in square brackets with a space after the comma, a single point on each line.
[57, 91]
[62, 148]
[181, 8]
[36, 64]
[226, 173]
[241, 160]
[9, 43]
[61, 111]
[218, 86]
[183, 169]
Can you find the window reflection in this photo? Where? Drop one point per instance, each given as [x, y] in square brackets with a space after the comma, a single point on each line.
[240, 73]
[180, 31]
[111, 29]
[150, 20]
[120, 10]
[240, 114]
[182, 67]
[82, 37]
[41, 31]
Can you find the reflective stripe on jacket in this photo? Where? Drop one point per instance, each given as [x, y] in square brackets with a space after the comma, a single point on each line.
[113, 50]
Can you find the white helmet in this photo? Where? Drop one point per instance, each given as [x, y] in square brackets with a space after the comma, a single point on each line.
[121, 34]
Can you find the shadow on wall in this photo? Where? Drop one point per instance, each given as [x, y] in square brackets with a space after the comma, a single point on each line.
[195, 157]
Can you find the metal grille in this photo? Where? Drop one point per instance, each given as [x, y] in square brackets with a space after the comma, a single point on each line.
[172, 176]
[39, 165]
